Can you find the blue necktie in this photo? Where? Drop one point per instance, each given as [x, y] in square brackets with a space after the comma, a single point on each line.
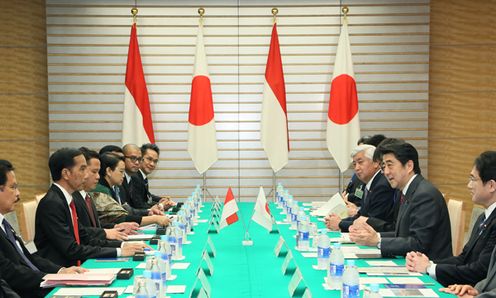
[10, 235]
[482, 225]
[117, 194]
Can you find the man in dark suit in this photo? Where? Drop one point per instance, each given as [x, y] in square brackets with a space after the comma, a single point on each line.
[22, 270]
[423, 221]
[378, 199]
[471, 265]
[86, 209]
[141, 196]
[59, 237]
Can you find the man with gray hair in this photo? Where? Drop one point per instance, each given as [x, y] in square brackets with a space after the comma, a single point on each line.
[378, 197]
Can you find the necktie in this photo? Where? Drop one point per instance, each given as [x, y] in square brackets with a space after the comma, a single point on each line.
[402, 198]
[482, 224]
[365, 194]
[89, 206]
[75, 225]
[147, 188]
[117, 194]
[10, 236]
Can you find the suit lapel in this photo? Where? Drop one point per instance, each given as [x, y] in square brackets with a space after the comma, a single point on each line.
[409, 194]
[61, 196]
[476, 233]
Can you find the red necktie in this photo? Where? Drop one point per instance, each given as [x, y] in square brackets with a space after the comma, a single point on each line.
[89, 206]
[75, 225]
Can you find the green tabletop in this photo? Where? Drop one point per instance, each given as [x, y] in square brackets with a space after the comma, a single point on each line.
[245, 271]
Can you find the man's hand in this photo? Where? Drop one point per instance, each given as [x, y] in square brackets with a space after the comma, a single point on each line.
[352, 208]
[332, 222]
[155, 210]
[115, 234]
[166, 202]
[72, 270]
[130, 228]
[161, 220]
[360, 220]
[417, 262]
[363, 234]
[465, 291]
[130, 248]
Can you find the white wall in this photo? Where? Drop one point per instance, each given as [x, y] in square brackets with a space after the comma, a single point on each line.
[87, 49]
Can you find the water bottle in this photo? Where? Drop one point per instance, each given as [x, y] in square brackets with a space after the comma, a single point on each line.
[323, 251]
[165, 248]
[171, 236]
[159, 277]
[351, 284]
[336, 267]
[374, 291]
[149, 283]
[178, 243]
[289, 205]
[294, 215]
[140, 290]
[303, 234]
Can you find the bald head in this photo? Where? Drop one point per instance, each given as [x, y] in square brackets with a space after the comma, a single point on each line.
[132, 158]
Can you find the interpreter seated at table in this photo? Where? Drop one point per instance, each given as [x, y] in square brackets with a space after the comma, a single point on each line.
[22, 271]
[378, 197]
[423, 222]
[471, 265]
[59, 237]
[107, 199]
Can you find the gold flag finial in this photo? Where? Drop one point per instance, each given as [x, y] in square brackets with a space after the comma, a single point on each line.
[274, 13]
[345, 10]
[201, 11]
[134, 12]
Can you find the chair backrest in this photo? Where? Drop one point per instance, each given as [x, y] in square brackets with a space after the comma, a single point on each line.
[27, 219]
[39, 197]
[457, 221]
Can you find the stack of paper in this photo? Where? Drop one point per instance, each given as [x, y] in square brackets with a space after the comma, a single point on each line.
[335, 205]
[53, 280]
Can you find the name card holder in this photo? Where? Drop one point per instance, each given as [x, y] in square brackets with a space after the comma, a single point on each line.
[278, 249]
[294, 282]
[207, 261]
[287, 261]
[210, 246]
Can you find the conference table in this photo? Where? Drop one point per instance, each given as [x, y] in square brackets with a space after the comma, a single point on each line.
[244, 271]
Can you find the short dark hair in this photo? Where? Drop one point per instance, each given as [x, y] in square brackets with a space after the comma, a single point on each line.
[62, 159]
[5, 168]
[149, 146]
[108, 160]
[362, 140]
[378, 153]
[89, 154]
[110, 148]
[486, 166]
[403, 152]
[374, 140]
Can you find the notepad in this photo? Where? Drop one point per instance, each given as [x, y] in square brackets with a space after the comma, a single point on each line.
[408, 293]
[87, 291]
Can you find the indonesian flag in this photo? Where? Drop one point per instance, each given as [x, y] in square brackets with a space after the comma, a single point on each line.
[261, 213]
[274, 124]
[137, 125]
[202, 140]
[229, 212]
[343, 124]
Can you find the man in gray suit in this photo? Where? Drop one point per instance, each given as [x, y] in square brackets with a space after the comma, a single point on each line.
[486, 288]
[423, 222]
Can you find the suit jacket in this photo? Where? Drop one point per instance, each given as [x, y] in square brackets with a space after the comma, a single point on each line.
[141, 197]
[54, 236]
[21, 278]
[471, 265]
[355, 190]
[6, 291]
[487, 286]
[378, 203]
[422, 225]
[381, 225]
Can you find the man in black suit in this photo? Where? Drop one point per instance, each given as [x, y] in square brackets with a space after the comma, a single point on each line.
[22, 270]
[471, 265]
[378, 199]
[141, 196]
[86, 209]
[131, 185]
[59, 237]
[423, 221]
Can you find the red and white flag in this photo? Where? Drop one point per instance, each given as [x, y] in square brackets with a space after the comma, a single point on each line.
[202, 139]
[343, 124]
[274, 122]
[137, 125]
[230, 211]
[261, 212]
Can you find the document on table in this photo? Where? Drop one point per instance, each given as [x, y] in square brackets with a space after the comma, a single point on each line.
[335, 205]
[406, 280]
[79, 291]
[139, 237]
[171, 289]
[151, 227]
[408, 293]
[394, 271]
[345, 239]
[382, 264]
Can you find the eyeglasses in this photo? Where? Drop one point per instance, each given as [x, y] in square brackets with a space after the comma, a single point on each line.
[134, 158]
[149, 159]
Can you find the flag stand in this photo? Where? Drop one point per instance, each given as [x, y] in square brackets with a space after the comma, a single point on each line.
[205, 188]
[273, 188]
